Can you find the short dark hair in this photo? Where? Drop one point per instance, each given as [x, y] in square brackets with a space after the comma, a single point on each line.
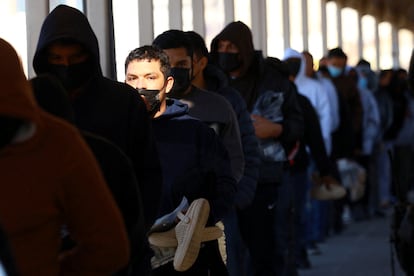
[363, 62]
[150, 52]
[172, 39]
[337, 52]
[198, 43]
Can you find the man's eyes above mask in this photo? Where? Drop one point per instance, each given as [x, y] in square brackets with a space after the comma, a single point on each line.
[183, 64]
[72, 59]
[131, 78]
[227, 47]
[56, 58]
[148, 77]
[151, 77]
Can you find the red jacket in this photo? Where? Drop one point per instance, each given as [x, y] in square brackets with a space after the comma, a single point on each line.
[51, 179]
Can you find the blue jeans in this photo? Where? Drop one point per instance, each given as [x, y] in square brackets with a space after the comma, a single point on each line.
[238, 260]
[384, 173]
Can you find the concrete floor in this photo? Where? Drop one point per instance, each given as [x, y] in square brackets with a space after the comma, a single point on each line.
[363, 249]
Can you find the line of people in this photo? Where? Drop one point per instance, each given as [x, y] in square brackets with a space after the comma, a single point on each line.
[105, 178]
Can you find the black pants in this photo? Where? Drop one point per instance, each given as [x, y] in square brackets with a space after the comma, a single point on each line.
[257, 226]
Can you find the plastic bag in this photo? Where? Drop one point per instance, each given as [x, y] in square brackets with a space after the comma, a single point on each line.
[353, 178]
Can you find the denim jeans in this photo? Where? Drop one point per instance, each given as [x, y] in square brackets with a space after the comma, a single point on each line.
[238, 260]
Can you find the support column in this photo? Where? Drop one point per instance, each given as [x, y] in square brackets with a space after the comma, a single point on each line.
[145, 22]
[36, 12]
[339, 24]
[286, 24]
[175, 14]
[395, 47]
[228, 11]
[360, 37]
[259, 26]
[99, 14]
[324, 28]
[199, 24]
[377, 45]
[305, 28]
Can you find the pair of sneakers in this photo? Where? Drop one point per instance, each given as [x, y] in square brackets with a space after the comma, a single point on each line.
[187, 235]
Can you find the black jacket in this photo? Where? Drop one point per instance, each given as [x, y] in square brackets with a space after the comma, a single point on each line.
[114, 164]
[258, 76]
[120, 177]
[105, 107]
[217, 81]
[195, 162]
[347, 138]
[313, 140]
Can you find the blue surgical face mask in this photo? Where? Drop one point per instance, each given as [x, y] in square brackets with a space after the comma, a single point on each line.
[334, 71]
[362, 83]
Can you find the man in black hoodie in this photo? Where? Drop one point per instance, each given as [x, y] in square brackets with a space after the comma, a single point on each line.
[115, 165]
[194, 160]
[68, 48]
[278, 124]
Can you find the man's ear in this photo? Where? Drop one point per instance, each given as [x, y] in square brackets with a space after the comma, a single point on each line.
[203, 62]
[169, 84]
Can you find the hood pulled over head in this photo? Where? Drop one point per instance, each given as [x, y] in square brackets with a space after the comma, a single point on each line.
[240, 35]
[296, 62]
[65, 23]
[17, 104]
[16, 97]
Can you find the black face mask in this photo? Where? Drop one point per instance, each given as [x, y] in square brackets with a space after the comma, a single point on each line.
[294, 66]
[402, 85]
[228, 62]
[72, 76]
[182, 81]
[152, 97]
[8, 129]
[323, 68]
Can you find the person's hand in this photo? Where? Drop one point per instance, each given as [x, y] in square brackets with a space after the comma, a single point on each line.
[326, 180]
[265, 128]
[329, 181]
